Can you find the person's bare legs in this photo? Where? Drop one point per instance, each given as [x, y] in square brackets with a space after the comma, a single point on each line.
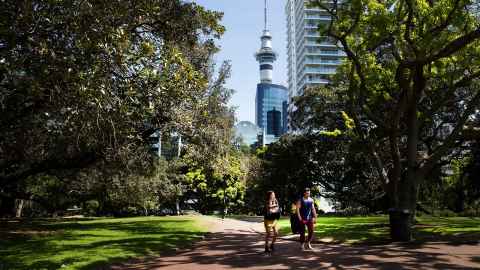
[310, 234]
[274, 237]
[302, 236]
[267, 235]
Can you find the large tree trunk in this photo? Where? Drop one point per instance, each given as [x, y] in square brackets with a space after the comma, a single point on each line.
[403, 214]
[399, 214]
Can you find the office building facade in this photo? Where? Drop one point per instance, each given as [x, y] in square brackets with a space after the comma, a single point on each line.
[310, 62]
[167, 145]
[271, 108]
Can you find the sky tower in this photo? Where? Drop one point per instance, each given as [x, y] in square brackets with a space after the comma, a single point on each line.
[266, 56]
[271, 101]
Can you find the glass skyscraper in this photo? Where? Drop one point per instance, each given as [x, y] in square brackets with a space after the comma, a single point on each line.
[271, 109]
[310, 62]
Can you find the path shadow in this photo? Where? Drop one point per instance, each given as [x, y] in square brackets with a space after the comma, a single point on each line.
[242, 250]
[255, 219]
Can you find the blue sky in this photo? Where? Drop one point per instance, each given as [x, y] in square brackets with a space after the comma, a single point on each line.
[243, 20]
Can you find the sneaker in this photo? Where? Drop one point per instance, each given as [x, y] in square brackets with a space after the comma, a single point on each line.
[302, 247]
[309, 247]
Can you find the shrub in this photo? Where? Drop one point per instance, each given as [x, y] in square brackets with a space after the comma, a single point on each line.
[91, 207]
[445, 213]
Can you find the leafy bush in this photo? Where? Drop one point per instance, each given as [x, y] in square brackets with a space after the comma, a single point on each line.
[445, 213]
[91, 207]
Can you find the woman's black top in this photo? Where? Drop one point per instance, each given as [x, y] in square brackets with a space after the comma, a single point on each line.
[272, 215]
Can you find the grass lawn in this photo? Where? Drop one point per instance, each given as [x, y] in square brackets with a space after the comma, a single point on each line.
[375, 229]
[91, 243]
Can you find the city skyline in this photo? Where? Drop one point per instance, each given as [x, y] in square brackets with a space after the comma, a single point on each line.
[244, 22]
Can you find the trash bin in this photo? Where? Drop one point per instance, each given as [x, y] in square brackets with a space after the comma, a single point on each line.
[400, 224]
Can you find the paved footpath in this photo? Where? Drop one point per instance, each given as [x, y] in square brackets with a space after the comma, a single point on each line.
[234, 244]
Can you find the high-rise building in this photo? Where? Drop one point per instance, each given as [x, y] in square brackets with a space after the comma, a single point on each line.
[271, 99]
[274, 122]
[167, 145]
[310, 62]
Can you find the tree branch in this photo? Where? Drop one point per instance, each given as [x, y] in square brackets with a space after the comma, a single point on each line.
[455, 46]
[410, 25]
[79, 162]
[442, 150]
[436, 30]
[463, 82]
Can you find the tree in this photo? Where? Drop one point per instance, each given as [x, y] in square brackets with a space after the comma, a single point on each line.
[412, 85]
[221, 187]
[329, 163]
[216, 176]
[87, 82]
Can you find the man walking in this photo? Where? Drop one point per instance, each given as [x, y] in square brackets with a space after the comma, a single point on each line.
[307, 216]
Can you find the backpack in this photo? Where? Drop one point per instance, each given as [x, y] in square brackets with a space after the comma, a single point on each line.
[295, 225]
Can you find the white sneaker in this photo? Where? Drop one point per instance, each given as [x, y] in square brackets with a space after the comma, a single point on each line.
[302, 247]
[309, 247]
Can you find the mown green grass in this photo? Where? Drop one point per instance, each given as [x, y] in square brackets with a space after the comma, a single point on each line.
[451, 228]
[375, 229]
[91, 243]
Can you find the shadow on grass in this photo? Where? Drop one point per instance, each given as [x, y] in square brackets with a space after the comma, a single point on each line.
[89, 244]
[376, 231]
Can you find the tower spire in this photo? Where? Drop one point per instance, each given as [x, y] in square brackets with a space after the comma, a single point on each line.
[266, 56]
[265, 15]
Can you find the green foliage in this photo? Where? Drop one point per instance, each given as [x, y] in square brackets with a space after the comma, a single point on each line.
[349, 122]
[91, 207]
[410, 85]
[330, 165]
[457, 168]
[455, 191]
[334, 133]
[260, 151]
[51, 193]
[221, 184]
[84, 85]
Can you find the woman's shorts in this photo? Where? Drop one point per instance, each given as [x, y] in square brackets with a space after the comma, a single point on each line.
[270, 223]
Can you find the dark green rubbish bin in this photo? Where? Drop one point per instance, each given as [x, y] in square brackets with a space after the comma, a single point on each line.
[400, 224]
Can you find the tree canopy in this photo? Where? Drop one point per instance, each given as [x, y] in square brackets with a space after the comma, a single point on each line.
[412, 86]
[89, 81]
[84, 84]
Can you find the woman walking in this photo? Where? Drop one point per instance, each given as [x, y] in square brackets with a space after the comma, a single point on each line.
[272, 215]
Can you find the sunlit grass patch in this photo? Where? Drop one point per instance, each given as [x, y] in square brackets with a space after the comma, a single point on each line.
[375, 229]
[84, 244]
